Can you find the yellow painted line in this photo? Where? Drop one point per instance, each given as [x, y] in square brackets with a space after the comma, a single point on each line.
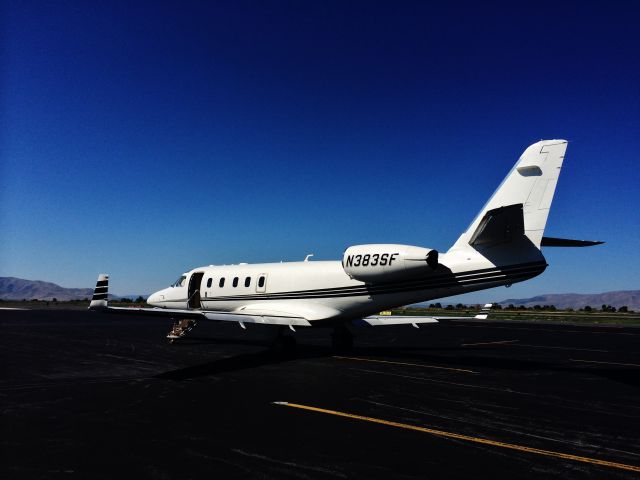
[405, 364]
[468, 438]
[606, 363]
[490, 343]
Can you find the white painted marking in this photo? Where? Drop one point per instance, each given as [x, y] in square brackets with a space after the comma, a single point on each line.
[605, 363]
[562, 348]
[405, 364]
[502, 342]
[600, 328]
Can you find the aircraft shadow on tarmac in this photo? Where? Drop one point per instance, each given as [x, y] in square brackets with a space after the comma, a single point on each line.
[244, 361]
[454, 357]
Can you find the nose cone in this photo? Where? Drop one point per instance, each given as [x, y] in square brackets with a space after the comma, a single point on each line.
[153, 299]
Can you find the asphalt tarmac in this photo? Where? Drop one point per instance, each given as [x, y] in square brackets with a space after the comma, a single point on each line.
[91, 395]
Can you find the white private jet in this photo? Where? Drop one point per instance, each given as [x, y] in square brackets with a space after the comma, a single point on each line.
[502, 246]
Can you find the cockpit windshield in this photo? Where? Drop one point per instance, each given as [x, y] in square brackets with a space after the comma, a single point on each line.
[179, 282]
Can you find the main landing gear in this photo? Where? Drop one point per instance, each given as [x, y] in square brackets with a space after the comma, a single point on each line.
[283, 343]
[341, 339]
[180, 329]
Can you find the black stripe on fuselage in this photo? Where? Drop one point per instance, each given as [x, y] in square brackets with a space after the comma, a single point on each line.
[407, 283]
[453, 283]
[512, 273]
[101, 290]
[99, 296]
[102, 283]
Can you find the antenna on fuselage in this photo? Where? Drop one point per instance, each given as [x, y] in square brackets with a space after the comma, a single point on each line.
[306, 259]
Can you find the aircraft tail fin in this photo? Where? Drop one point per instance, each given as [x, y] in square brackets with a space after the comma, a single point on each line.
[100, 293]
[520, 205]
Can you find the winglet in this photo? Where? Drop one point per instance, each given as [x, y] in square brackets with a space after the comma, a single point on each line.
[100, 293]
[484, 313]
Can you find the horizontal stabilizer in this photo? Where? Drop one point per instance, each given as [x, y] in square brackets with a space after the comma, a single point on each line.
[566, 242]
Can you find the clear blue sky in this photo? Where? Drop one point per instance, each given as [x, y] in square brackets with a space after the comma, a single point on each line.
[144, 140]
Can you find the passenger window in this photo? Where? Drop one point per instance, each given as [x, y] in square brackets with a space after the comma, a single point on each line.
[247, 281]
[235, 282]
[261, 282]
[209, 282]
[221, 283]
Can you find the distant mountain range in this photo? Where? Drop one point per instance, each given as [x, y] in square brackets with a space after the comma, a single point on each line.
[12, 288]
[630, 298]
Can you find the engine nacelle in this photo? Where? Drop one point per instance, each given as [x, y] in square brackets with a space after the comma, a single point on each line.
[387, 262]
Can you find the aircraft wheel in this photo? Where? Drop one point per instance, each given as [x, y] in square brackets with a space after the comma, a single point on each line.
[284, 344]
[289, 343]
[342, 339]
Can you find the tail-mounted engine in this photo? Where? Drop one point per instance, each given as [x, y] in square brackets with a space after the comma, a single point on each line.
[387, 262]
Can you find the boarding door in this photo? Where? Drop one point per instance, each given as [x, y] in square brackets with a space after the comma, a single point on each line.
[261, 284]
[194, 290]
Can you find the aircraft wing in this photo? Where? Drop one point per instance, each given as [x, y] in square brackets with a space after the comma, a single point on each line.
[150, 312]
[258, 317]
[381, 320]
[251, 317]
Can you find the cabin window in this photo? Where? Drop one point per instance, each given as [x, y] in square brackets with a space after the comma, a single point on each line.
[247, 281]
[261, 282]
[235, 282]
[221, 283]
[209, 282]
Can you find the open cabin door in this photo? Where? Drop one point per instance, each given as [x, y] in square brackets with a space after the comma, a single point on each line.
[194, 290]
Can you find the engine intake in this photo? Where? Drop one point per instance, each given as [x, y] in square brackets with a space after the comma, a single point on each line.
[388, 262]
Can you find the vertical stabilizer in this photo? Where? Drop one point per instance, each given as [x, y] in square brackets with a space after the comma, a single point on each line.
[529, 186]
